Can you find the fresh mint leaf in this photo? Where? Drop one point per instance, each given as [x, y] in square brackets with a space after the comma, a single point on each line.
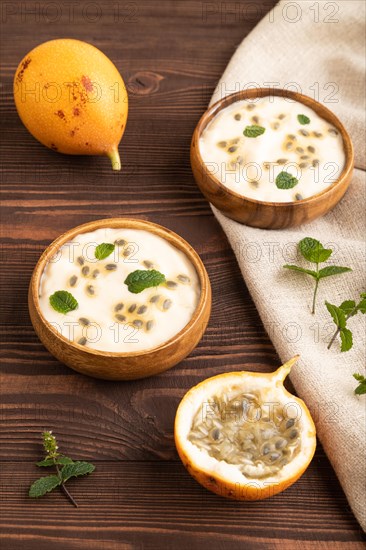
[65, 468]
[340, 316]
[362, 305]
[140, 279]
[254, 131]
[44, 485]
[63, 302]
[361, 388]
[313, 250]
[303, 119]
[346, 339]
[332, 270]
[302, 270]
[284, 180]
[337, 314]
[76, 469]
[348, 307]
[104, 250]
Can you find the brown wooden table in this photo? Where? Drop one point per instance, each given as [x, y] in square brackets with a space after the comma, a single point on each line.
[171, 54]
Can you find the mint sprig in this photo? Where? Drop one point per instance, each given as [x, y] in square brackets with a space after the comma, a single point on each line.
[63, 301]
[361, 388]
[68, 469]
[285, 180]
[303, 119]
[340, 315]
[104, 250]
[254, 131]
[313, 251]
[140, 279]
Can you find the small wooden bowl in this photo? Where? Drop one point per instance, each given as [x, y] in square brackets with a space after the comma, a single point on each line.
[269, 215]
[112, 365]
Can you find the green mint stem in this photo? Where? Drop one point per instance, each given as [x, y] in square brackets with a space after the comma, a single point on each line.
[339, 329]
[333, 338]
[315, 290]
[63, 486]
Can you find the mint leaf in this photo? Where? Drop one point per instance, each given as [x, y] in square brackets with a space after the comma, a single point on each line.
[303, 119]
[43, 485]
[362, 305]
[104, 250]
[346, 339]
[254, 131]
[140, 279]
[63, 302]
[348, 306]
[284, 180]
[337, 314]
[314, 251]
[302, 270]
[76, 469]
[332, 270]
[361, 388]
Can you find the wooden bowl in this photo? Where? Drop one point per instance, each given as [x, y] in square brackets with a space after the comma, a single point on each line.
[269, 215]
[112, 365]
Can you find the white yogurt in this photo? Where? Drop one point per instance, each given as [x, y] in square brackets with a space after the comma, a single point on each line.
[313, 153]
[145, 320]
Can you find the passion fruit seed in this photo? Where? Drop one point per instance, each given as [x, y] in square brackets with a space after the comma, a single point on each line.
[275, 125]
[281, 116]
[111, 267]
[148, 264]
[120, 318]
[282, 161]
[222, 144]
[311, 149]
[137, 323]
[317, 134]
[84, 321]
[232, 149]
[95, 273]
[292, 137]
[120, 242]
[149, 325]
[237, 116]
[333, 132]
[141, 310]
[231, 431]
[255, 119]
[82, 341]
[85, 270]
[80, 260]
[132, 308]
[304, 133]
[90, 290]
[300, 150]
[167, 304]
[155, 298]
[184, 279]
[171, 284]
[250, 106]
[119, 306]
[73, 280]
[299, 197]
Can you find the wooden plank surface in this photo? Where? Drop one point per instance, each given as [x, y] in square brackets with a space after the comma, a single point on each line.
[171, 54]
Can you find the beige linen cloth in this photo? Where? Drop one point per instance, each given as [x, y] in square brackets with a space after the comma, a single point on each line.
[321, 53]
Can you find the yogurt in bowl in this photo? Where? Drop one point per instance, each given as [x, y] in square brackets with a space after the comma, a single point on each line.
[109, 316]
[273, 149]
[120, 299]
[271, 158]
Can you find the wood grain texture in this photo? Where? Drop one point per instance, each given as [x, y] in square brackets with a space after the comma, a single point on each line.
[171, 55]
